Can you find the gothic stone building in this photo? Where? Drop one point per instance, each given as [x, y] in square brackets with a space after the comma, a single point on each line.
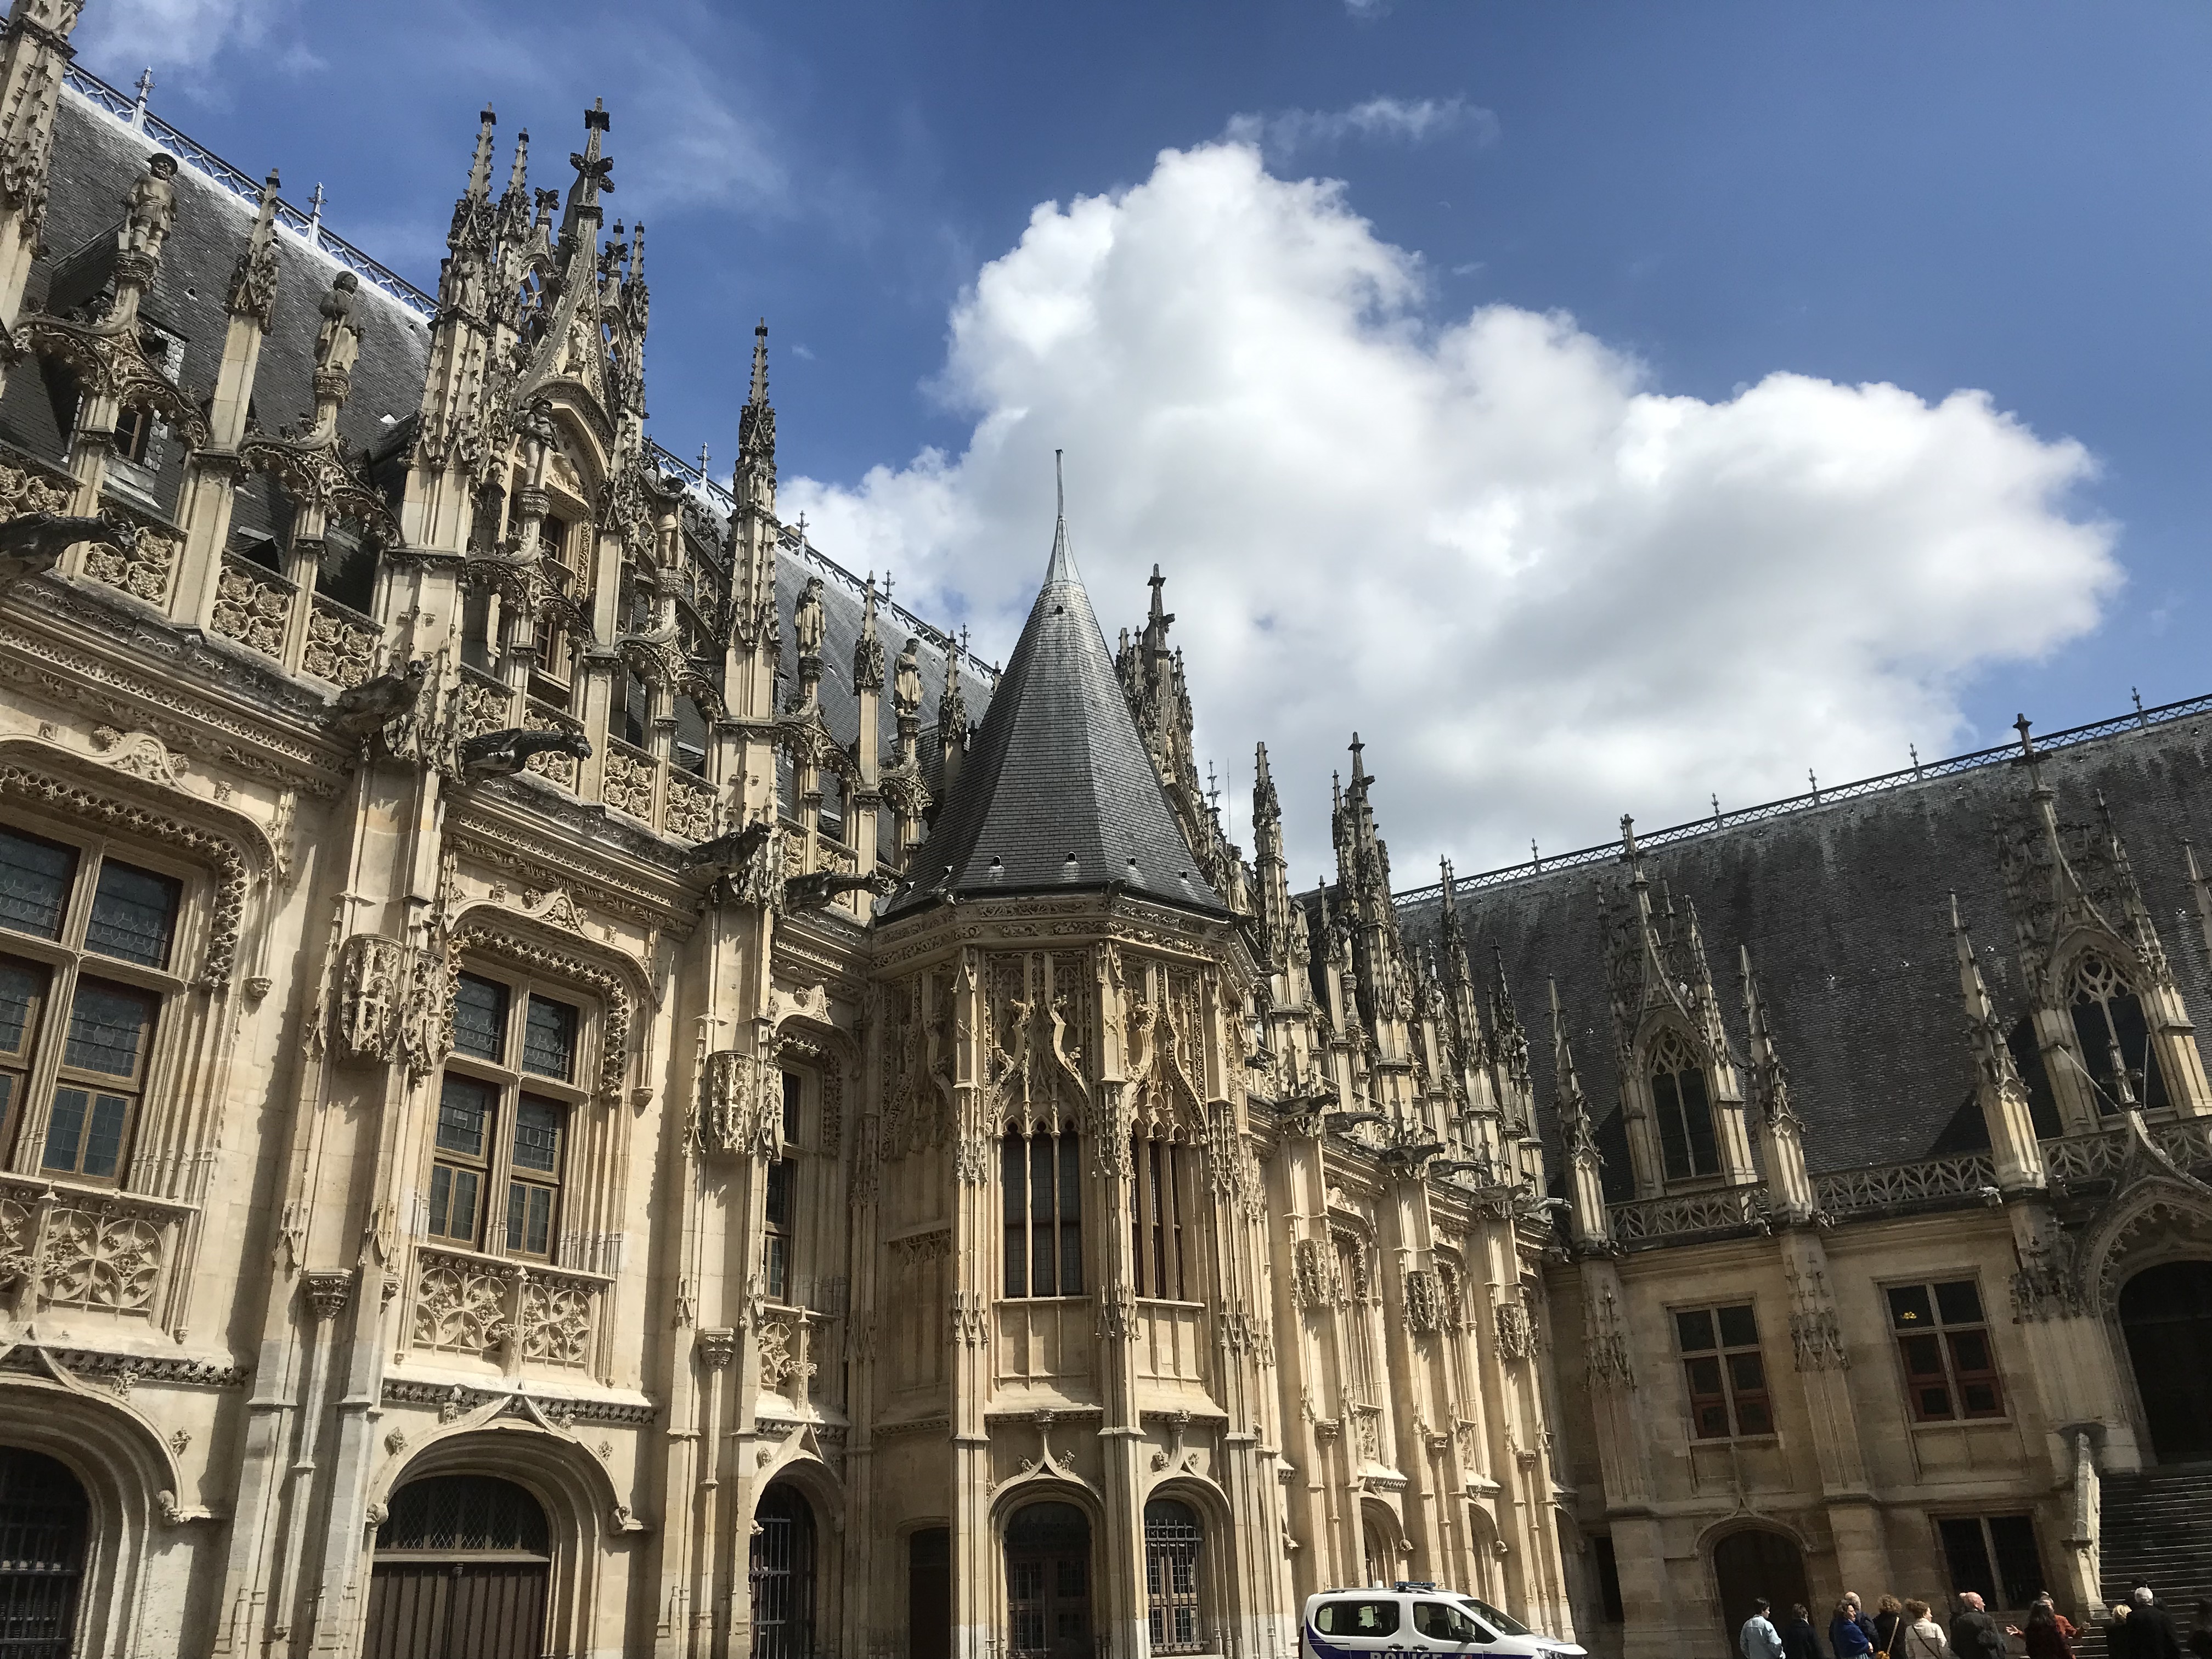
[574, 1081]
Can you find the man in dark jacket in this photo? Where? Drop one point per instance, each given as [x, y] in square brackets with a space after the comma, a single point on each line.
[2151, 1634]
[1974, 1634]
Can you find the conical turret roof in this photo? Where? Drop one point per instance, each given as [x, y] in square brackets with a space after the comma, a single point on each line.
[1057, 792]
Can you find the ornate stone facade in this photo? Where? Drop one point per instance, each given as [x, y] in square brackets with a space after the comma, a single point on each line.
[591, 1043]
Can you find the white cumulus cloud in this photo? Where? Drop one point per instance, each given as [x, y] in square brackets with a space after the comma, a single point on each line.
[1545, 591]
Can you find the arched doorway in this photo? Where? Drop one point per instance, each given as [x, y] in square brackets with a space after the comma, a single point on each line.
[1173, 1539]
[783, 1575]
[1378, 1550]
[2167, 1314]
[929, 1593]
[1048, 1582]
[44, 1521]
[460, 1572]
[1756, 1563]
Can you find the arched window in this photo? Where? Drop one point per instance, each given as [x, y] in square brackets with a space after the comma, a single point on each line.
[1040, 1178]
[461, 1566]
[1173, 1539]
[1048, 1582]
[2115, 1038]
[1687, 1146]
[43, 1521]
[782, 1573]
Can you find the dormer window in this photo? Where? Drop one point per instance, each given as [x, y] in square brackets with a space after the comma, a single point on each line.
[2115, 1038]
[1683, 1104]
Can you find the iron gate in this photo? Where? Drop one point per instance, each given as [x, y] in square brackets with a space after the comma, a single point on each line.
[44, 1519]
[783, 1576]
[1172, 1539]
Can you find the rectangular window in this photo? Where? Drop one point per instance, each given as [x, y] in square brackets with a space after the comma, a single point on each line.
[34, 883]
[1995, 1555]
[793, 1092]
[1950, 1369]
[23, 1001]
[134, 914]
[1156, 1218]
[1040, 1207]
[1724, 1371]
[533, 1191]
[466, 1112]
[1685, 1124]
[777, 1213]
[549, 1040]
[480, 1017]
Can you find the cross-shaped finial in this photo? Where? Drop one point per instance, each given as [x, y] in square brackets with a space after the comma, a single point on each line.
[887, 587]
[964, 639]
[2027, 743]
[703, 460]
[1212, 787]
[2136, 693]
[1535, 858]
[1715, 800]
[802, 529]
[1913, 749]
[138, 109]
[1627, 836]
[1814, 781]
[315, 211]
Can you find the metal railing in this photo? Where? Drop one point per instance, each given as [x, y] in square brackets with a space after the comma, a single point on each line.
[1609, 852]
[238, 182]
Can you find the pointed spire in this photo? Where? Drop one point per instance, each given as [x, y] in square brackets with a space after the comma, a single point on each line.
[1768, 1075]
[1061, 567]
[254, 281]
[868, 649]
[1266, 808]
[1997, 1087]
[1573, 1104]
[517, 176]
[756, 420]
[480, 168]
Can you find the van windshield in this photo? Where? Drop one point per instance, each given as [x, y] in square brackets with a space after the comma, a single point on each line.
[1504, 1623]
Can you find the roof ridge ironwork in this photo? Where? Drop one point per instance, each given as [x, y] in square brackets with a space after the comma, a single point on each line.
[308, 227]
[1608, 851]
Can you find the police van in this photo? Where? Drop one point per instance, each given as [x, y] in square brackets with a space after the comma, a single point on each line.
[1412, 1618]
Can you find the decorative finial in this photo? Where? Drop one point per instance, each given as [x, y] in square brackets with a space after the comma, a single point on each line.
[1627, 837]
[1059, 485]
[1535, 858]
[1815, 782]
[315, 213]
[1913, 749]
[2027, 741]
[138, 109]
[1715, 800]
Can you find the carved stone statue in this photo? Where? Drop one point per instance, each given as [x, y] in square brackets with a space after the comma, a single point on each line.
[339, 343]
[906, 681]
[806, 620]
[152, 205]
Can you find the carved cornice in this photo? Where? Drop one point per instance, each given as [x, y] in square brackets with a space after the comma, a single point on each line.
[244, 731]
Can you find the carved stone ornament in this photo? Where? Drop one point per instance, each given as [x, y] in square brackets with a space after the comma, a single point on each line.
[1313, 1274]
[717, 1347]
[373, 992]
[1424, 1302]
[1516, 1335]
[1605, 1346]
[327, 1293]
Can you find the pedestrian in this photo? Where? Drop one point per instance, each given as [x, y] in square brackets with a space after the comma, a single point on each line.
[2151, 1634]
[2067, 1628]
[1889, 1619]
[1798, 1641]
[1850, 1634]
[1919, 1636]
[2118, 1644]
[1974, 1634]
[1759, 1640]
[2200, 1633]
[2044, 1638]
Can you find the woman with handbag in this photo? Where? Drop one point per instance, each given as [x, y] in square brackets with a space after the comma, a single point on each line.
[1919, 1637]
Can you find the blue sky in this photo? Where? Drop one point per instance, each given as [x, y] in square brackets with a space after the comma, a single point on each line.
[2005, 199]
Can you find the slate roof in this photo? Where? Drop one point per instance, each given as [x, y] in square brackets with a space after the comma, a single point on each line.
[1845, 909]
[1057, 790]
[96, 161]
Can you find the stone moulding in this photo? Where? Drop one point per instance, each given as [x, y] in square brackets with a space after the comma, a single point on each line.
[232, 874]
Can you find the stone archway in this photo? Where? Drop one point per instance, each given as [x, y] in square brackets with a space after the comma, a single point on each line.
[46, 1519]
[782, 1565]
[463, 1563]
[2166, 1316]
[1048, 1582]
[1752, 1563]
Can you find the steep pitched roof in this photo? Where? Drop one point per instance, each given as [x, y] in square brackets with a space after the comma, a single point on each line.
[1056, 791]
